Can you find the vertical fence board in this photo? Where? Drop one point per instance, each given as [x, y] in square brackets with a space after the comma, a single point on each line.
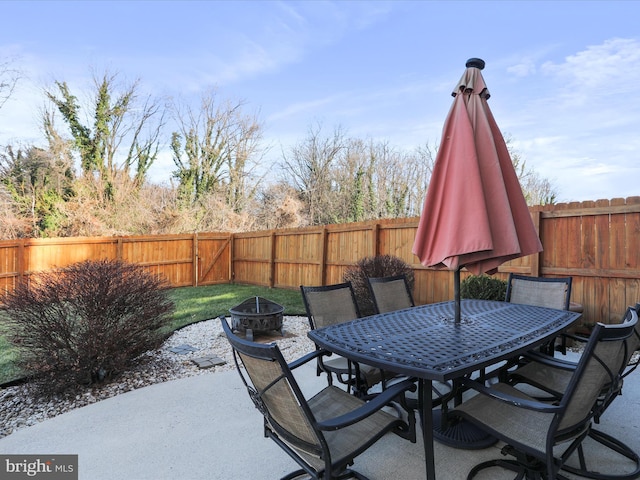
[617, 297]
[602, 238]
[588, 241]
[602, 262]
[548, 238]
[589, 300]
[560, 254]
[632, 236]
[616, 232]
[617, 235]
[574, 233]
[632, 291]
[577, 291]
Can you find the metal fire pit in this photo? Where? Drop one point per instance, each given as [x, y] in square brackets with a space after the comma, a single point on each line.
[256, 314]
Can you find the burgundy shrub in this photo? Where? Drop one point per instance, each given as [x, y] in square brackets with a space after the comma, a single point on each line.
[87, 322]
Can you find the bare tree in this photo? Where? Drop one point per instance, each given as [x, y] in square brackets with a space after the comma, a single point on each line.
[278, 205]
[373, 181]
[342, 179]
[9, 77]
[425, 161]
[309, 168]
[402, 178]
[537, 190]
[216, 151]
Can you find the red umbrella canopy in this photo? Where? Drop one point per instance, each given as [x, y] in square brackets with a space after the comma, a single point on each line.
[474, 214]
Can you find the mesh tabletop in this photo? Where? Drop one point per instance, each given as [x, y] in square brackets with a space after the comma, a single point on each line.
[426, 342]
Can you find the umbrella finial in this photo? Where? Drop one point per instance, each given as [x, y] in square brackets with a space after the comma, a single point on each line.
[475, 62]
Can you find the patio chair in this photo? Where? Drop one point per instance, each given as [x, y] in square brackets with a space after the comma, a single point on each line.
[325, 433]
[541, 292]
[390, 293]
[328, 305]
[552, 377]
[542, 436]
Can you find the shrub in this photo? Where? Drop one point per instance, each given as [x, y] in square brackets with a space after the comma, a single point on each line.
[483, 287]
[374, 267]
[85, 323]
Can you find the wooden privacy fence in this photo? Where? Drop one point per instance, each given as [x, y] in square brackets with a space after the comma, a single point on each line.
[597, 243]
[183, 260]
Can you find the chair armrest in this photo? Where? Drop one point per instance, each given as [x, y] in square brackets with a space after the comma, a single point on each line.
[528, 404]
[550, 361]
[298, 362]
[577, 338]
[368, 408]
[308, 357]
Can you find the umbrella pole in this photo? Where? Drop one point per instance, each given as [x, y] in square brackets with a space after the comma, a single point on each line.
[456, 292]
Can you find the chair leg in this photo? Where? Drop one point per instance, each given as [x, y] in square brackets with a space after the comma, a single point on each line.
[525, 466]
[344, 475]
[613, 444]
[320, 371]
[506, 464]
[351, 474]
[295, 474]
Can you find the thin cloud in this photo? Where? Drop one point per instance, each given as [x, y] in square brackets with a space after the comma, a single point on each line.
[600, 70]
[523, 69]
[302, 107]
[288, 35]
[602, 169]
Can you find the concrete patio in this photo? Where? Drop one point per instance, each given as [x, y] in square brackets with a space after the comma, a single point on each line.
[205, 427]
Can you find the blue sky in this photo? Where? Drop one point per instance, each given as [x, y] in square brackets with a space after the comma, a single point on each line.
[562, 75]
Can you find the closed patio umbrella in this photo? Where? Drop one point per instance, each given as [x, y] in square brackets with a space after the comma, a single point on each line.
[474, 213]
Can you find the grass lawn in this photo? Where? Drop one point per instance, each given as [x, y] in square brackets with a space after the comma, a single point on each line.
[202, 303]
[193, 304]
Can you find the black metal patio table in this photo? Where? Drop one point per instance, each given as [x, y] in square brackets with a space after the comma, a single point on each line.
[426, 342]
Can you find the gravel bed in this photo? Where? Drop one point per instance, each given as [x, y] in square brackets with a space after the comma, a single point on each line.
[20, 407]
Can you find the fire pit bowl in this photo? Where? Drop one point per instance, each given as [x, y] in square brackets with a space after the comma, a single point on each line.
[256, 314]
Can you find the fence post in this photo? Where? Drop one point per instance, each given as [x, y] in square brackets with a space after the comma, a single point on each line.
[195, 263]
[21, 260]
[323, 255]
[272, 260]
[376, 239]
[535, 259]
[231, 257]
[119, 249]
